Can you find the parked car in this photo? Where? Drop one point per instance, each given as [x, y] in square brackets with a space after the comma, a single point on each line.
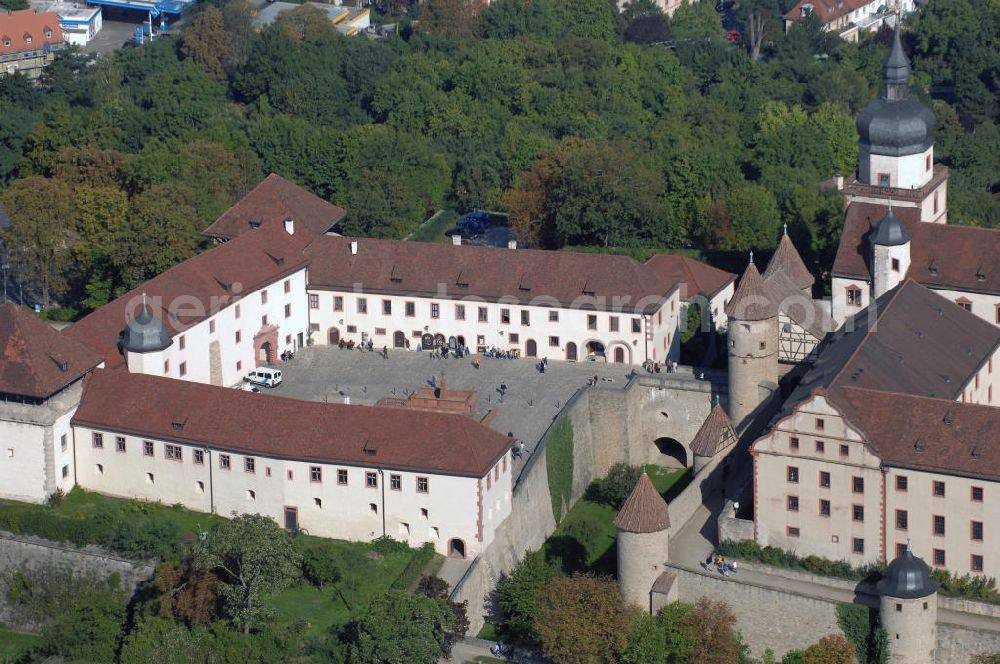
[264, 377]
[473, 223]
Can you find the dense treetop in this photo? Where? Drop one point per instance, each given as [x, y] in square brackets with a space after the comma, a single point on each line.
[590, 126]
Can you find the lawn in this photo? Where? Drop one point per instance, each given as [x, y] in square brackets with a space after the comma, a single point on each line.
[14, 644]
[585, 538]
[80, 504]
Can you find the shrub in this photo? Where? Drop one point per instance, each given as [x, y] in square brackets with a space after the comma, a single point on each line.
[56, 498]
[615, 489]
[559, 464]
[388, 546]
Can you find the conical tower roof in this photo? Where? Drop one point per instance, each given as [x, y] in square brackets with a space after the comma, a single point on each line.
[644, 511]
[787, 259]
[752, 300]
[716, 433]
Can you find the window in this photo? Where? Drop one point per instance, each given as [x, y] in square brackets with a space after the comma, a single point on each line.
[173, 452]
[820, 447]
[824, 479]
[899, 607]
[858, 484]
[858, 545]
[636, 325]
[341, 476]
[939, 557]
[338, 303]
[379, 331]
[792, 503]
[591, 322]
[505, 316]
[435, 310]
[902, 519]
[858, 513]
[976, 563]
[935, 202]
[927, 163]
[150, 479]
[224, 462]
[793, 474]
[762, 345]
[938, 524]
[553, 316]
[290, 475]
[819, 424]
[396, 482]
[977, 531]
[313, 301]
[199, 457]
[351, 329]
[239, 336]
[100, 469]
[793, 443]
[62, 442]
[902, 484]
[977, 494]
[964, 303]
[459, 312]
[371, 479]
[409, 309]
[845, 451]
[362, 305]
[938, 489]
[237, 311]
[239, 365]
[315, 474]
[263, 297]
[883, 179]
[147, 448]
[900, 549]
[120, 443]
[318, 503]
[553, 341]
[251, 495]
[792, 531]
[288, 311]
[65, 472]
[263, 320]
[249, 465]
[373, 508]
[423, 485]
[824, 508]
[895, 265]
[288, 285]
[525, 317]
[387, 307]
[183, 368]
[166, 363]
[853, 296]
[182, 343]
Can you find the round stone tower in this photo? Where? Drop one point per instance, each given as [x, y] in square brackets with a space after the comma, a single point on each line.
[908, 607]
[753, 345]
[890, 242]
[144, 337]
[642, 525]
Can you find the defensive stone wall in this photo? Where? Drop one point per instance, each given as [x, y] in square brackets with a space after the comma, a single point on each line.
[40, 559]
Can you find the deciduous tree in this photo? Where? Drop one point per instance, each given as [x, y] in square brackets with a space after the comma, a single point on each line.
[402, 627]
[207, 42]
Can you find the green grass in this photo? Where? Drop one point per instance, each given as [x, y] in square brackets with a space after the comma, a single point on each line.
[14, 644]
[81, 504]
[434, 228]
[366, 574]
[585, 538]
[484, 659]
[488, 632]
[559, 463]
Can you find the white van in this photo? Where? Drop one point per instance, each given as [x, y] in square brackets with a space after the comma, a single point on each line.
[264, 377]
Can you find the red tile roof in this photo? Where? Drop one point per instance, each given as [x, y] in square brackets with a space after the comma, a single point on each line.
[18, 26]
[273, 201]
[827, 10]
[693, 276]
[524, 276]
[787, 259]
[934, 435]
[716, 433]
[644, 511]
[946, 256]
[261, 424]
[752, 300]
[197, 288]
[35, 359]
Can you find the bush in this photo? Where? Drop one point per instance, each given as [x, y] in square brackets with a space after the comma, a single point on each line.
[776, 557]
[615, 489]
[388, 546]
[414, 568]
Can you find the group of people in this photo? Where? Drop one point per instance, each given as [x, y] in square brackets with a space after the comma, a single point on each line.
[656, 367]
[723, 566]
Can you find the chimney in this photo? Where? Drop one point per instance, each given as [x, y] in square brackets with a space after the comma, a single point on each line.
[838, 179]
[290, 226]
[354, 247]
[512, 244]
[456, 240]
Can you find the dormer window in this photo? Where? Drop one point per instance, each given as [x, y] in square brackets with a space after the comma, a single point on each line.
[48, 34]
[27, 39]
[6, 41]
[965, 303]
[853, 296]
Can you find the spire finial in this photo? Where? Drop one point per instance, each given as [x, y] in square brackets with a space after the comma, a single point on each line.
[890, 205]
[751, 257]
[785, 229]
[716, 399]
[143, 299]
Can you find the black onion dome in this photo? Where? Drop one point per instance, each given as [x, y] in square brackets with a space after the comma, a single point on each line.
[145, 333]
[890, 232]
[896, 128]
[907, 577]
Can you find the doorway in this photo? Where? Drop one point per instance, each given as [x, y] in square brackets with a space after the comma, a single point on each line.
[264, 355]
[334, 336]
[398, 339]
[292, 519]
[456, 548]
[571, 352]
[531, 348]
[619, 355]
[674, 454]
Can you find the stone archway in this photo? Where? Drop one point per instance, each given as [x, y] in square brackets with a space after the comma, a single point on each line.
[596, 350]
[456, 548]
[265, 345]
[672, 453]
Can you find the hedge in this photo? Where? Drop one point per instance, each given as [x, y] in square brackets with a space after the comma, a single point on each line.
[559, 463]
[408, 577]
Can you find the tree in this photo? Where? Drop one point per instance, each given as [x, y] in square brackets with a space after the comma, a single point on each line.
[88, 630]
[709, 626]
[583, 619]
[320, 566]
[834, 649]
[517, 594]
[14, 131]
[40, 236]
[618, 485]
[750, 218]
[437, 588]
[253, 559]
[451, 19]
[187, 594]
[402, 627]
[207, 42]
[88, 165]
[661, 639]
[304, 23]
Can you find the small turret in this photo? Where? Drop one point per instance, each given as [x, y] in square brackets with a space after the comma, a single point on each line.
[144, 334]
[787, 259]
[890, 243]
[715, 436]
[908, 608]
[642, 525]
[753, 345]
